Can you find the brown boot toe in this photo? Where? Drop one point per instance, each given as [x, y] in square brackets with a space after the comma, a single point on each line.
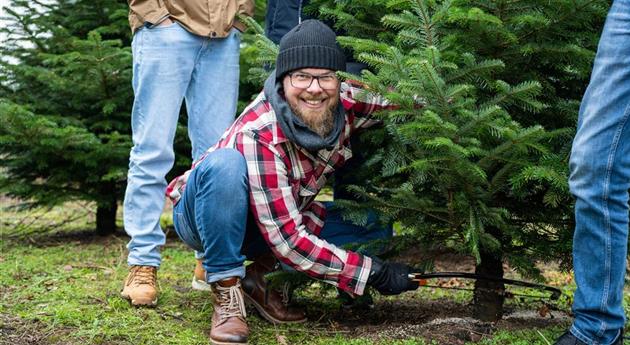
[222, 336]
[140, 287]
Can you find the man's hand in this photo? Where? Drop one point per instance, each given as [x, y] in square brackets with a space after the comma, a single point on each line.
[390, 278]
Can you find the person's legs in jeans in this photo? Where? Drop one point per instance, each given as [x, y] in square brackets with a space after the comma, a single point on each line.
[164, 58]
[336, 230]
[212, 96]
[343, 233]
[211, 100]
[600, 179]
[282, 16]
[211, 217]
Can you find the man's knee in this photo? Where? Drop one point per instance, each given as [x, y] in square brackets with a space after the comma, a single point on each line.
[227, 166]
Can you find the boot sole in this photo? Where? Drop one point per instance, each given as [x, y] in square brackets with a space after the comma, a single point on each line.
[214, 342]
[266, 315]
[151, 304]
[200, 285]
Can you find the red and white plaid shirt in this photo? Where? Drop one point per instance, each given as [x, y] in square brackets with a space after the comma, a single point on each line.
[283, 182]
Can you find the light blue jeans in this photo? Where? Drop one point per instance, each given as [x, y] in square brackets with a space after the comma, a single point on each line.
[600, 179]
[213, 218]
[170, 65]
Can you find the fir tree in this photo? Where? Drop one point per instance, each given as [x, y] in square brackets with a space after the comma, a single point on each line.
[65, 104]
[482, 165]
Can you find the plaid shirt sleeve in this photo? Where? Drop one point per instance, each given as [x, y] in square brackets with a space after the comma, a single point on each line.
[281, 223]
[362, 103]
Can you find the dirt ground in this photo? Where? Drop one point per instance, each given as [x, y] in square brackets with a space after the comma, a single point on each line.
[442, 320]
[16, 331]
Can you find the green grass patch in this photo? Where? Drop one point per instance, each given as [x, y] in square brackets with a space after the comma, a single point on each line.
[64, 287]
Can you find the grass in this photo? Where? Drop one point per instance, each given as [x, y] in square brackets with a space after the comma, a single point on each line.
[64, 289]
[72, 290]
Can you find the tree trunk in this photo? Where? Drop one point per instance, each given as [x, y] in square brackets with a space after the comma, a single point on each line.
[488, 296]
[106, 219]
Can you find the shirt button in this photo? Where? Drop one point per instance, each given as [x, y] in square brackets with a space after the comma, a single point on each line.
[213, 34]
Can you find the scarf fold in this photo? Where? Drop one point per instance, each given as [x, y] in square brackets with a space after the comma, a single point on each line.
[293, 127]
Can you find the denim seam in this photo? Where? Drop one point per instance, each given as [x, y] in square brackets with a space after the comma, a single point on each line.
[609, 169]
[581, 336]
[191, 111]
[275, 19]
[140, 114]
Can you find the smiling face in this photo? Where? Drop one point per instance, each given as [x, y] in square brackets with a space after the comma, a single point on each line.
[313, 104]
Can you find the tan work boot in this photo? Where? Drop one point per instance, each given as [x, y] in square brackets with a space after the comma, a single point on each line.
[228, 319]
[140, 286]
[271, 304]
[199, 278]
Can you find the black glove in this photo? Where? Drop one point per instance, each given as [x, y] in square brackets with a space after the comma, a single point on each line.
[390, 278]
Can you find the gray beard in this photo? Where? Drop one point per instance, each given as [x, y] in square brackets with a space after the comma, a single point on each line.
[321, 124]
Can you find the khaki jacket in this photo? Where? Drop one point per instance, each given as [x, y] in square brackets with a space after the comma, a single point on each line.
[210, 18]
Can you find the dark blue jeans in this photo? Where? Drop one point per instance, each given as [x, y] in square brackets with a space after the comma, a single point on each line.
[282, 16]
[600, 180]
[213, 218]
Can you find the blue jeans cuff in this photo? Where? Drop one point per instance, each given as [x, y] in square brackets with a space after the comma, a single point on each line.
[576, 333]
[234, 272]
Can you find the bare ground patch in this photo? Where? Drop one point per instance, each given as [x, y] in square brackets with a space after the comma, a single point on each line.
[17, 331]
[442, 320]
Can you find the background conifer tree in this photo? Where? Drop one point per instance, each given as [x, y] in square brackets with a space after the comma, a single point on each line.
[65, 104]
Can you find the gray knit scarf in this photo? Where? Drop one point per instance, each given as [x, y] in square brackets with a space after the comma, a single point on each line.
[293, 127]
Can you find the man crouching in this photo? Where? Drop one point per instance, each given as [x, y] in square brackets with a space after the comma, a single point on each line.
[252, 194]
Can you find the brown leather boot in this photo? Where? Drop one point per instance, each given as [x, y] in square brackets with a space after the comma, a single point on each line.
[199, 278]
[272, 305]
[140, 286]
[228, 319]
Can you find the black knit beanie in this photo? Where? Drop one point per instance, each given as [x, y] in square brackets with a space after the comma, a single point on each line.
[310, 44]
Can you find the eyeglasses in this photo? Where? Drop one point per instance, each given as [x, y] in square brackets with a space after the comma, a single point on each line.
[303, 80]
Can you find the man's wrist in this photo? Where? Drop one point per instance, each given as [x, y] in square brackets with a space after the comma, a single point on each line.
[377, 267]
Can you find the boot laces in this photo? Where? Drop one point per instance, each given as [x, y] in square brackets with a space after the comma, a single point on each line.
[142, 275]
[231, 301]
[286, 293]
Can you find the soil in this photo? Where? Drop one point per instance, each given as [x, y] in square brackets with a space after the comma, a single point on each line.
[441, 320]
[16, 331]
[444, 321]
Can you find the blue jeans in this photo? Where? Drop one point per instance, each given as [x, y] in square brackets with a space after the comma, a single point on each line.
[170, 65]
[213, 218]
[600, 179]
[282, 16]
